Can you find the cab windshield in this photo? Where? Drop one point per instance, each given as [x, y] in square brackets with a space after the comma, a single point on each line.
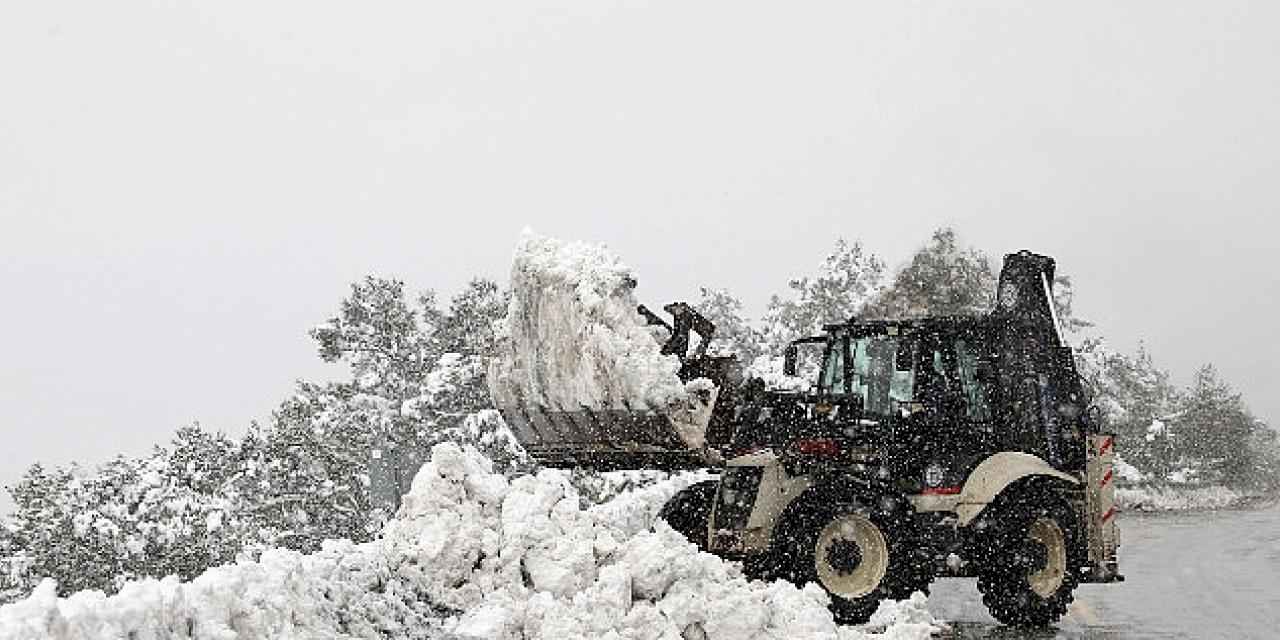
[867, 366]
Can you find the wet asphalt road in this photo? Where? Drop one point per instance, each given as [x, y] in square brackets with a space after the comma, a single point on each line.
[1199, 575]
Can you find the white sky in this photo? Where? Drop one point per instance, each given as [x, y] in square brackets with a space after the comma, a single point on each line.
[185, 188]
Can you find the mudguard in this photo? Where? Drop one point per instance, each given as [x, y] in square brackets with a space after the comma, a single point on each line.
[994, 475]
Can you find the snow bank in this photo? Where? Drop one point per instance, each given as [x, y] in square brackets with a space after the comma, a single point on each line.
[523, 560]
[1126, 471]
[342, 591]
[636, 510]
[1153, 498]
[471, 555]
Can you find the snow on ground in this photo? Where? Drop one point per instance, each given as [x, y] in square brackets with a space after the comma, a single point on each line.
[1174, 498]
[471, 555]
[1126, 471]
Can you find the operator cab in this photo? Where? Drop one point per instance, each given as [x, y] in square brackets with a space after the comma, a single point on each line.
[913, 394]
[898, 369]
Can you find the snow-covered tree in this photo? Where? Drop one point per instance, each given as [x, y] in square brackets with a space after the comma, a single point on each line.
[1201, 434]
[946, 278]
[471, 324]
[1265, 443]
[468, 331]
[942, 278]
[848, 278]
[309, 470]
[1136, 399]
[15, 579]
[168, 513]
[419, 364]
[388, 345]
[40, 526]
[1063, 299]
[734, 333]
[201, 460]
[417, 379]
[1216, 429]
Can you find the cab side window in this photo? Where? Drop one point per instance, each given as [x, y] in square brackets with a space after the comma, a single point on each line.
[833, 376]
[975, 391]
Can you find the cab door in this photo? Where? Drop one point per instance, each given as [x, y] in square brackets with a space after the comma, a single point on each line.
[949, 425]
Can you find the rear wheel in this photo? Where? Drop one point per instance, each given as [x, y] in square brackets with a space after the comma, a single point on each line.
[1033, 558]
[688, 511]
[860, 553]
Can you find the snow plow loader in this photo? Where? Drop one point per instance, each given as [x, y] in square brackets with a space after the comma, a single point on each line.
[959, 446]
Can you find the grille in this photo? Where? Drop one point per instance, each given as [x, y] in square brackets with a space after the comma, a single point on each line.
[738, 487]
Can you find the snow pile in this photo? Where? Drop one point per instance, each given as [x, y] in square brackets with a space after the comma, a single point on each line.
[344, 590]
[636, 510]
[471, 555]
[1170, 498]
[574, 337]
[1126, 471]
[523, 560]
[1157, 429]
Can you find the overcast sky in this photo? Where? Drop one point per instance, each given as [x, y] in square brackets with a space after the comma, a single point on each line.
[186, 188]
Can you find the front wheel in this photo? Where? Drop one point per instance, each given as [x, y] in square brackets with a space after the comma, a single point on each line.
[1033, 560]
[860, 554]
[689, 510]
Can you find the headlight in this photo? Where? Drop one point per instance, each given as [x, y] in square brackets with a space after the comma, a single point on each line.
[933, 475]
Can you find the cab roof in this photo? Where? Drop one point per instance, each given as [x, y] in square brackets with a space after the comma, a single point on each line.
[911, 325]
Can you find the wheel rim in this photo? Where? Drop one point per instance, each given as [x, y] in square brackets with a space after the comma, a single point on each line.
[851, 556]
[1048, 578]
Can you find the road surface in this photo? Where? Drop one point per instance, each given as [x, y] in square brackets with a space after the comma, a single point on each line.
[1198, 576]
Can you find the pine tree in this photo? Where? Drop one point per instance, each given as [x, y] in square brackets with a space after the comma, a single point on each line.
[456, 393]
[42, 526]
[1217, 429]
[381, 337]
[167, 513]
[470, 326]
[941, 279]
[1265, 443]
[201, 460]
[848, 277]
[468, 335]
[1136, 400]
[1063, 299]
[734, 333]
[310, 472]
[15, 580]
[417, 379]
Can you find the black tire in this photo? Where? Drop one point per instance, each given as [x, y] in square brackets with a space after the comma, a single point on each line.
[860, 552]
[1033, 554]
[689, 510]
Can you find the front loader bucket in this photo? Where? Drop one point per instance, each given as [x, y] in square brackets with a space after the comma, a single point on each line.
[606, 439]
[581, 379]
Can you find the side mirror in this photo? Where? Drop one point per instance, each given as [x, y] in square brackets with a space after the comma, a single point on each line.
[789, 356]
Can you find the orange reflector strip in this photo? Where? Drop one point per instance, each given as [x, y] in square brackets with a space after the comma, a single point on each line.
[1110, 512]
[941, 491]
[818, 447]
[1105, 479]
[1106, 445]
